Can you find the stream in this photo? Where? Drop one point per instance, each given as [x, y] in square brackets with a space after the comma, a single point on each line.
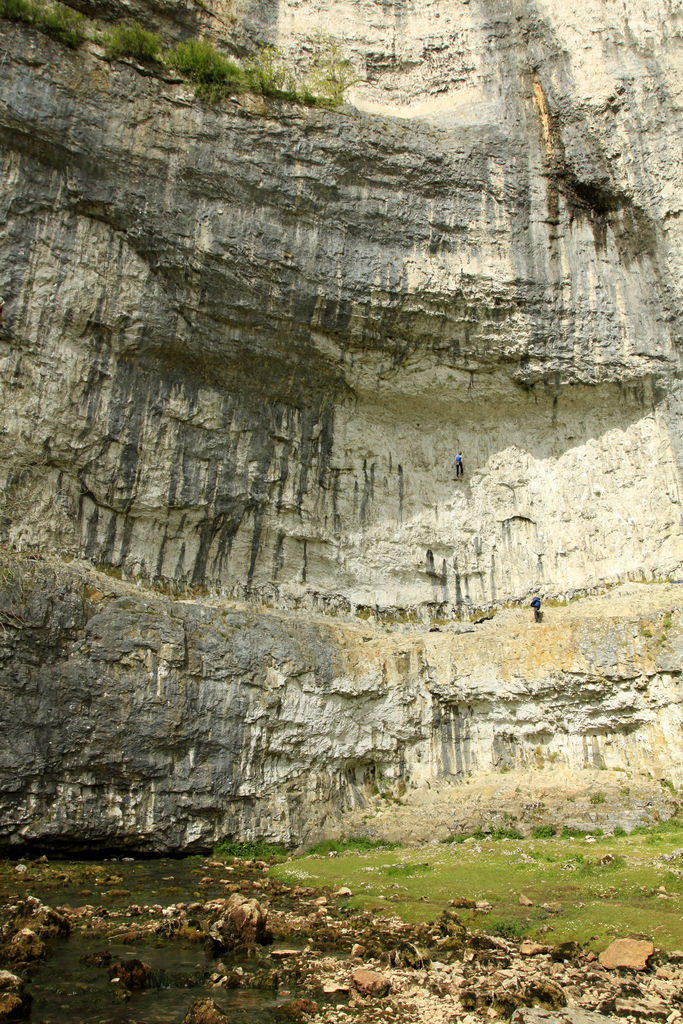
[67, 986]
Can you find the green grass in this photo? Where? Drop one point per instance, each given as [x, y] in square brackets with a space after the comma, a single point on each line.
[496, 834]
[357, 843]
[133, 41]
[212, 75]
[56, 20]
[599, 901]
[250, 850]
[544, 832]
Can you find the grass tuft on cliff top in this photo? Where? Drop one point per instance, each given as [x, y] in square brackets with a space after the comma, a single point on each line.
[605, 889]
[133, 41]
[212, 75]
[56, 20]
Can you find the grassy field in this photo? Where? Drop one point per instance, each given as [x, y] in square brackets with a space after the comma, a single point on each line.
[605, 889]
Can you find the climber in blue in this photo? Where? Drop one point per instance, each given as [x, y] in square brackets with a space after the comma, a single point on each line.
[536, 605]
[459, 468]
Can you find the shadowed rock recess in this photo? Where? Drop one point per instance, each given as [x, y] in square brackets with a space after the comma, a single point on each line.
[241, 346]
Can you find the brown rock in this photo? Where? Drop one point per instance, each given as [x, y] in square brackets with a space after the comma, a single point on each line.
[297, 1009]
[205, 1011]
[134, 974]
[532, 948]
[462, 903]
[15, 1004]
[564, 951]
[10, 982]
[524, 901]
[642, 1009]
[545, 993]
[45, 921]
[26, 947]
[630, 953]
[505, 1002]
[370, 983]
[12, 1007]
[243, 921]
[357, 949]
[99, 959]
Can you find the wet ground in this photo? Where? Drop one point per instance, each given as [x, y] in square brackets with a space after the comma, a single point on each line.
[116, 907]
[326, 962]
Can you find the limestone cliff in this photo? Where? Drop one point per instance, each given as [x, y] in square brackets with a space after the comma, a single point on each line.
[135, 721]
[241, 346]
[243, 343]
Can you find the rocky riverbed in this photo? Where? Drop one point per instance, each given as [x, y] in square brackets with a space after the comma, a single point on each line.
[211, 941]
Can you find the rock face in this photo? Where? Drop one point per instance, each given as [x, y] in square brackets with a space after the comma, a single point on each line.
[242, 344]
[133, 720]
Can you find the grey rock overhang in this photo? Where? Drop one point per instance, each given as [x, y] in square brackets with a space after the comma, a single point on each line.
[243, 341]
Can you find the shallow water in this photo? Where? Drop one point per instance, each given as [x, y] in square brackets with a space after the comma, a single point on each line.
[67, 991]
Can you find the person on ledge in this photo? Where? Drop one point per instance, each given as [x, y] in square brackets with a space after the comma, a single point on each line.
[536, 605]
[459, 468]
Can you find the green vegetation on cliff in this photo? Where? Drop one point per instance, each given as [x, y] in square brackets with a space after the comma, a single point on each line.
[133, 41]
[213, 76]
[57, 20]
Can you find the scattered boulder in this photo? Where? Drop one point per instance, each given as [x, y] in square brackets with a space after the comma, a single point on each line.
[529, 948]
[524, 901]
[10, 982]
[545, 993]
[205, 1011]
[331, 988]
[134, 974]
[13, 1007]
[630, 953]
[45, 921]
[357, 950]
[15, 1004]
[99, 959]
[564, 951]
[243, 922]
[642, 1009]
[296, 1009]
[552, 908]
[533, 1015]
[25, 947]
[370, 983]
[505, 1002]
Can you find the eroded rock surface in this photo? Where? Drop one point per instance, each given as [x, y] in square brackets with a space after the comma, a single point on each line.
[242, 343]
[132, 719]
